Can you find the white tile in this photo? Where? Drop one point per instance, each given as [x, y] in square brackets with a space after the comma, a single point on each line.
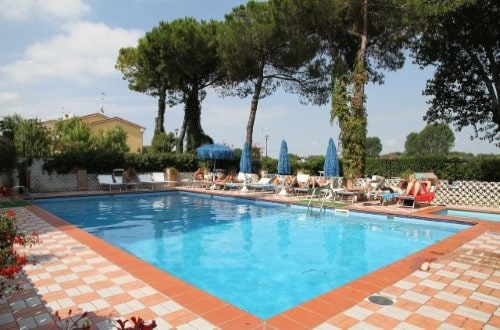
[450, 297]
[473, 314]
[433, 313]
[201, 323]
[326, 326]
[485, 298]
[406, 326]
[476, 274]
[447, 274]
[404, 285]
[358, 313]
[123, 279]
[415, 297]
[491, 284]
[457, 264]
[433, 284]
[465, 285]
[394, 312]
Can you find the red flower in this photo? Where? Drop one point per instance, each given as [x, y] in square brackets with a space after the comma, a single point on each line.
[19, 240]
[10, 213]
[22, 260]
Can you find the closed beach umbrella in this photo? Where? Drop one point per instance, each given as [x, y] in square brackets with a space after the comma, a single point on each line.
[245, 162]
[283, 161]
[214, 152]
[331, 166]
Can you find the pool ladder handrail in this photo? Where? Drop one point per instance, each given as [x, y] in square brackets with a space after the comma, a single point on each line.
[17, 189]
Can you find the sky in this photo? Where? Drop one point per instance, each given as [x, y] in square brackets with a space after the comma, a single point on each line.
[58, 57]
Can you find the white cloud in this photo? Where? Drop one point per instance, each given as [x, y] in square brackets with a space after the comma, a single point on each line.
[84, 51]
[45, 9]
[8, 96]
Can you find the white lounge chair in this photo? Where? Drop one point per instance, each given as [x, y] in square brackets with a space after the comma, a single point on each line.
[264, 184]
[147, 180]
[159, 177]
[106, 181]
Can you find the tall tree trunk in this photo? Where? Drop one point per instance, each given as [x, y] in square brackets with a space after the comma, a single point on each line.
[358, 100]
[253, 110]
[159, 128]
[179, 144]
[195, 135]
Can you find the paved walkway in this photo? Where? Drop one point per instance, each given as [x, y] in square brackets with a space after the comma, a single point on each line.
[78, 272]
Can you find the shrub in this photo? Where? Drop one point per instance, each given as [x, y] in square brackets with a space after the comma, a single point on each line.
[11, 262]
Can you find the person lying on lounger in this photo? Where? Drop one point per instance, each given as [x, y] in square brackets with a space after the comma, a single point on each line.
[199, 174]
[416, 187]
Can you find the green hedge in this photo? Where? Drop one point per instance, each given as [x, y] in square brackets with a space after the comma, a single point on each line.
[480, 168]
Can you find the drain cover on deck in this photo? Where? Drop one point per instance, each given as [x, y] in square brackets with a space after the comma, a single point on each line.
[77, 247]
[380, 300]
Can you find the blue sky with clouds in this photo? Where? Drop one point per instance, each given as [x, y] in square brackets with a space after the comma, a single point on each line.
[58, 57]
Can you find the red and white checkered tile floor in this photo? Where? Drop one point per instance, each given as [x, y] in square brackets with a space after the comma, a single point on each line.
[460, 291]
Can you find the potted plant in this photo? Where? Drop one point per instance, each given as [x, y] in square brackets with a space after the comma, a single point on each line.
[172, 174]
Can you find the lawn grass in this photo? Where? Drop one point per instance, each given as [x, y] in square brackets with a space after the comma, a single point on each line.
[5, 204]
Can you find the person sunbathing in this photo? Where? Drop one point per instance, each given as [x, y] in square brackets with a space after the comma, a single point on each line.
[292, 182]
[199, 174]
[321, 183]
[416, 187]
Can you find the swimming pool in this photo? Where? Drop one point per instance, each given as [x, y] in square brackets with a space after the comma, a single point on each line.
[261, 257]
[470, 214]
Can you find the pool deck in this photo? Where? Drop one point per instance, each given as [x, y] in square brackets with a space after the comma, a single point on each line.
[76, 271]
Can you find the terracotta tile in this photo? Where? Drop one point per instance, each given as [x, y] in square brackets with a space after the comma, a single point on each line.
[472, 324]
[382, 321]
[189, 296]
[56, 295]
[393, 291]
[442, 304]
[339, 300]
[408, 305]
[206, 305]
[369, 306]
[133, 285]
[101, 284]
[179, 317]
[72, 284]
[343, 321]
[119, 298]
[222, 315]
[304, 316]
[244, 321]
[152, 299]
[422, 321]
[86, 297]
[108, 312]
[481, 306]
[321, 307]
[146, 314]
[281, 322]
[495, 321]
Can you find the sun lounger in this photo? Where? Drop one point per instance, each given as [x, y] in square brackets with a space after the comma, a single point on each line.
[412, 201]
[147, 180]
[159, 178]
[107, 181]
[264, 184]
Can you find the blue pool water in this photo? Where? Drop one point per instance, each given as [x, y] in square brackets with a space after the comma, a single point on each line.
[470, 214]
[262, 257]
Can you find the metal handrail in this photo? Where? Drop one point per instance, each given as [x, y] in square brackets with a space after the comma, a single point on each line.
[17, 189]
